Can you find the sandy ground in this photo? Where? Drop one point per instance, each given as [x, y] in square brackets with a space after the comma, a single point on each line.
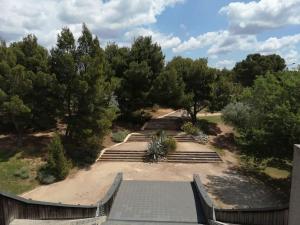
[225, 185]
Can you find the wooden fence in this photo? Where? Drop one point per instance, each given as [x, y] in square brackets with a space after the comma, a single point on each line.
[206, 203]
[14, 207]
[259, 216]
[262, 216]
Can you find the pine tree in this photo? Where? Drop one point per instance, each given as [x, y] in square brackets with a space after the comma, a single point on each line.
[57, 161]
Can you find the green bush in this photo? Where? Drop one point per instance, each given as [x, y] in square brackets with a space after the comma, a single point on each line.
[160, 145]
[169, 144]
[57, 163]
[44, 176]
[189, 128]
[266, 116]
[119, 136]
[155, 149]
[22, 173]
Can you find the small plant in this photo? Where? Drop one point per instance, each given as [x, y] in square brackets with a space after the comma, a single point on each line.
[119, 136]
[170, 144]
[155, 149]
[22, 173]
[201, 138]
[160, 145]
[189, 128]
[45, 177]
[57, 165]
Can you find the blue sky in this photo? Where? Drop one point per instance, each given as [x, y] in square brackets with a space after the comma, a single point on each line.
[223, 31]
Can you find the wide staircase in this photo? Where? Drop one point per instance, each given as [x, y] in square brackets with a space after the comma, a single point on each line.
[147, 138]
[175, 157]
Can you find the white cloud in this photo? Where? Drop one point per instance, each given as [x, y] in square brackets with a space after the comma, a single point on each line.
[108, 19]
[220, 42]
[292, 58]
[165, 40]
[201, 41]
[256, 16]
[274, 44]
[225, 63]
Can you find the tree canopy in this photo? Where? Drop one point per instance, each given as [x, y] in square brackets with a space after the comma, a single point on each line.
[255, 65]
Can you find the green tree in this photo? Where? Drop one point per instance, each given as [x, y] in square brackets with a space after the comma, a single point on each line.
[143, 49]
[41, 96]
[57, 163]
[15, 111]
[117, 60]
[135, 87]
[63, 64]
[168, 89]
[198, 79]
[223, 90]
[88, 108]
[255, 65]
[267, 115]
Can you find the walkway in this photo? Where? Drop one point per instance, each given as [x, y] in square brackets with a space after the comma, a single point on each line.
[156, 201]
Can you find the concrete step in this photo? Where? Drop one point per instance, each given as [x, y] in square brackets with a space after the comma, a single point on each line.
[147, 138]
[176, 157]
[89, 221]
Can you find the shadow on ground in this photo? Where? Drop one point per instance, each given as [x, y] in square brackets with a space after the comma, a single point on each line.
[31, 146]
[209, 128]
[240, 191]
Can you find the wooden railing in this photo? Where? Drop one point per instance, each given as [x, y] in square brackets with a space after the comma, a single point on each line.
[15, 207]
[206, 203]
[258, 216]
[105, 204]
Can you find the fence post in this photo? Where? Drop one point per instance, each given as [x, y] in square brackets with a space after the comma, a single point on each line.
[294, 211]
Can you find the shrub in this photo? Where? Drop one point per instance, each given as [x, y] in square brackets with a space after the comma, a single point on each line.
[201, 138]
[237, 114]
[119, 136]
[160, 145]
[57, 164]
[45, 177]
[156, 149]
[22, 173]
[169, 144]
[189, 128]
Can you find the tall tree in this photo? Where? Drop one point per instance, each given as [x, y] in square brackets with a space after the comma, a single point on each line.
[87, 93]
[64, 66]
[168, 89]
[42, 97]
[135, 89]
[198, 79]
[143, 49]
[255, 65]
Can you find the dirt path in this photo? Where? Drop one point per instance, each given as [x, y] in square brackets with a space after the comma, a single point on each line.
[226, 187]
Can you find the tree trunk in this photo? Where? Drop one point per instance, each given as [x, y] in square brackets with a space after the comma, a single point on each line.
[194, 114]
[19, 133]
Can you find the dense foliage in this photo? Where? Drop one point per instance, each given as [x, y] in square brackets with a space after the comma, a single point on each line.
[255, 65]
[267, 115]
[83, 87]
